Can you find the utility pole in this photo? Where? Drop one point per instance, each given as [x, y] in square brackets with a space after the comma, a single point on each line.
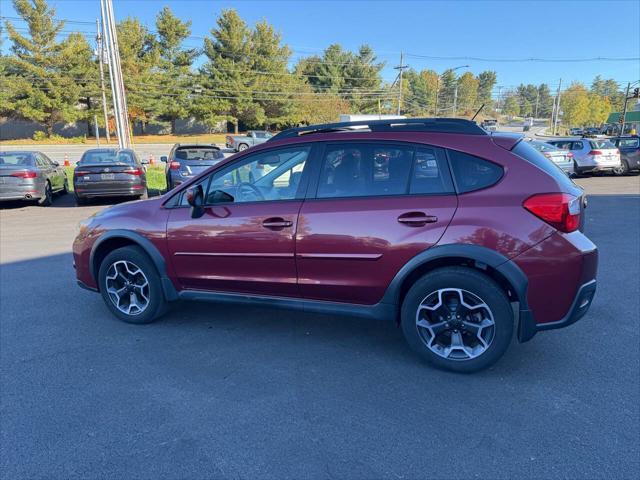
[455, 100]
[115, 74]
[622, 119]
[435, 111]
[555, 123]
[100, 52]
[401, 68]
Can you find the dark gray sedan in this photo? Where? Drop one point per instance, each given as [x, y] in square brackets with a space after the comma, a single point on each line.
[109, 172]
[29, 175]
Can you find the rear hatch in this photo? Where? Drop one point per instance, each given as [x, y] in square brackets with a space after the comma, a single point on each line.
[604, 152]
[193, 160]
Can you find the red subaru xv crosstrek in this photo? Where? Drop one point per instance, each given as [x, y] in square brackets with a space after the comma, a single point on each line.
[458, 235]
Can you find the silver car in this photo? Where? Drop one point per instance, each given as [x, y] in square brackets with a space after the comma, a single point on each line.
[561, 158]
[591, 154]
[29, 175]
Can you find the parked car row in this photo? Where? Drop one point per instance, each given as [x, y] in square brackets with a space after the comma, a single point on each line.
[620, 155]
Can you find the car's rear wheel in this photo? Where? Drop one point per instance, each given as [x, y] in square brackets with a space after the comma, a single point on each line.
[242, 147]
[457, 319]
[47, 195]
[623, 169]
[130, 286]
[65, 187]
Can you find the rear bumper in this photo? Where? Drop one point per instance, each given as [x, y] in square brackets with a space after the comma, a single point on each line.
[111, 190]
[527, 326]
[561, 273]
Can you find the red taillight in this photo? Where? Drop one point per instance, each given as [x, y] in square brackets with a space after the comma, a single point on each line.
[560, 210]
[174, 166]
[27, 174]
[595, 152]
[79, 173]
[133, 171]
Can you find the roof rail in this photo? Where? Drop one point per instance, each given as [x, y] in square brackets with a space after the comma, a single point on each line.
[440, 125]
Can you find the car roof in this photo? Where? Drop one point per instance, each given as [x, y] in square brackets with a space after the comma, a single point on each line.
[108, 150]
[196, 145]
[19, 152]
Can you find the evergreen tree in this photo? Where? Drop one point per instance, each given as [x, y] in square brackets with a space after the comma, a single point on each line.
[545, 101]
[46, 79]
[486, 81]
[467, 93]
[174, 67]
[139, 58]
[446, 92]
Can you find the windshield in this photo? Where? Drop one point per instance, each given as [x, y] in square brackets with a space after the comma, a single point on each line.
[602, 144]
[108, 156]
[198, 153]
[16, 159]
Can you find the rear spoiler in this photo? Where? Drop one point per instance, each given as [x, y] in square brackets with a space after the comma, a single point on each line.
[508, 141]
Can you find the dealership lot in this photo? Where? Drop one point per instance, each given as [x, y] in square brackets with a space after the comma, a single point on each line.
[226, 391]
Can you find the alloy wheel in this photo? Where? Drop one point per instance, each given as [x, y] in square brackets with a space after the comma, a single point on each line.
[455, 324]
[128, 287]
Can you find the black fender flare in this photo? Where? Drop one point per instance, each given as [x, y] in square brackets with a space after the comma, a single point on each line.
[482, 257]
[149, 248]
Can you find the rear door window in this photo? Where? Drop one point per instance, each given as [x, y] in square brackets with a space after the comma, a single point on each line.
[379, 169]
[577, 146]
[473, 173]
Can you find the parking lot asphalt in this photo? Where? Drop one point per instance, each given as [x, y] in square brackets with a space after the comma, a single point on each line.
[244, 392]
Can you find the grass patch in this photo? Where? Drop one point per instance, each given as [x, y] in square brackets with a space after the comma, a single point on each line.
[156, 181]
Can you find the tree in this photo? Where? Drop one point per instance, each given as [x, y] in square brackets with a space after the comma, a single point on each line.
[353, 76]
[609, 89]
[599, 109]
[446, 91]
[46, 79]
[420, 92]
[486, 81]
[467, 93]
[545, 101]
[574, 105]
[174, 67]
[511, 105]
[139, 57]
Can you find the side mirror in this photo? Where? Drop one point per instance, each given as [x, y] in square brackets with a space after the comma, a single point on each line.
[164, 159]
[195, 198]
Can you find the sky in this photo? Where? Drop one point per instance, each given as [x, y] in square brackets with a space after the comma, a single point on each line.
[491, 31]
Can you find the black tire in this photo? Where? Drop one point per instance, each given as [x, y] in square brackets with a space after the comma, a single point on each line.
[623, 170]
[47, 196]
[65, 187]
[80, 201]
[157, 304]
[476, 283]
[242, 147]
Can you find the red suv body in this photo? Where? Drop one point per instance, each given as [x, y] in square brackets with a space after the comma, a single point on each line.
[458, 235]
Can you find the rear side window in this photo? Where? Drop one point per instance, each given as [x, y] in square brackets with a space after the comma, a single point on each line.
[378, 169]
[531, 155]
[577, 146]
[472, 173]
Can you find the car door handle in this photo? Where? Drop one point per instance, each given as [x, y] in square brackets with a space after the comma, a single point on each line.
[416, 219]
[276, 222]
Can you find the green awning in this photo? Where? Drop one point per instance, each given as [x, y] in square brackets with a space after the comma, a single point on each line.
[630, 117]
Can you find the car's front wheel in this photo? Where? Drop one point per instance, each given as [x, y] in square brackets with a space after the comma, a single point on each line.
[457, 319]
[130, 286]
